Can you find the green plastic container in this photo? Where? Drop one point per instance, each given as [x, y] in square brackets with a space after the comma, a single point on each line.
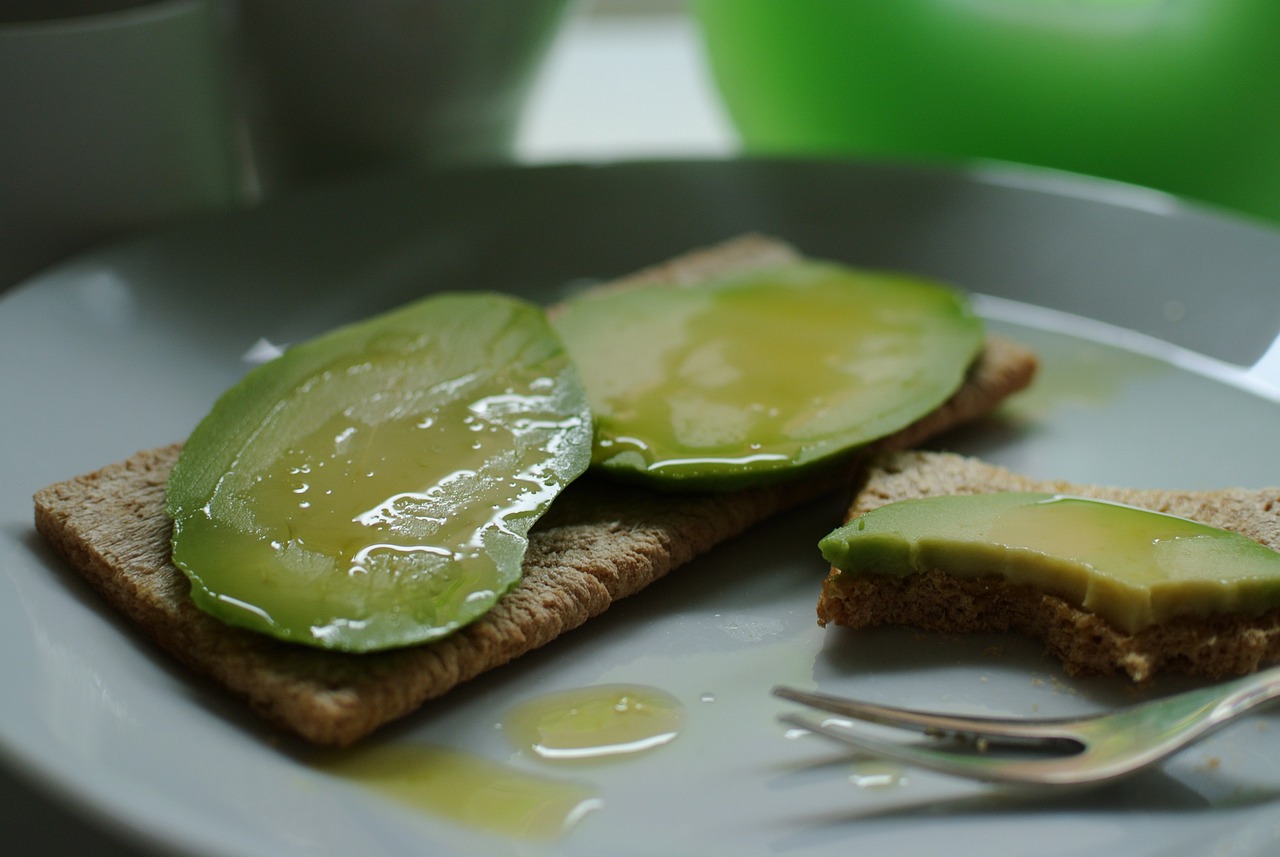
[1178, 95]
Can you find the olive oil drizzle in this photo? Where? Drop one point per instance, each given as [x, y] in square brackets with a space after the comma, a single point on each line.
[468, 790]
[600, 723]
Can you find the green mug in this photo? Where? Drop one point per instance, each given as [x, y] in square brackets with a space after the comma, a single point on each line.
[1178, 95]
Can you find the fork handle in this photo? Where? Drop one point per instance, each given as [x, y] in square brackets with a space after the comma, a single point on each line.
[1248, 693]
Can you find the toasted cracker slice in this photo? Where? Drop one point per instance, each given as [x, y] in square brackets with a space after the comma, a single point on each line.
[600, 542]
[1214, 646]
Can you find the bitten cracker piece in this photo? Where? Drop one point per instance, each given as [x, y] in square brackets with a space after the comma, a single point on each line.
[1214, 646]
[599, 542]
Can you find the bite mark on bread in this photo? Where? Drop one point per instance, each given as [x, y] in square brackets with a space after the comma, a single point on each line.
[1213, 646]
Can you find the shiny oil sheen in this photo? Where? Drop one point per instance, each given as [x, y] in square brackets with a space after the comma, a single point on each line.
[749, 377]
[374, 487]
[1131, 566]
[467, 790]
[597, 723]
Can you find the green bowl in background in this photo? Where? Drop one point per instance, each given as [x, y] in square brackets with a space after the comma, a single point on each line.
[1178, 95]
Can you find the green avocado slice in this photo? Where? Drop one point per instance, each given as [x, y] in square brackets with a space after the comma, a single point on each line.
[374, 487]
[752, 377]
[1131, 566]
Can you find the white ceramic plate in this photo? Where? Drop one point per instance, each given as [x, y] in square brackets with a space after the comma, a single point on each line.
[1147, 315]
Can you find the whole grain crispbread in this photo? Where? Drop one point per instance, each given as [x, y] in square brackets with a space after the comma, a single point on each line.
[1214, 646]
[598, 543]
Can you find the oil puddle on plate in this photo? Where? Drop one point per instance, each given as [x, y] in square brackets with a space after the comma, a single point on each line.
[467, 789]
[601, 723]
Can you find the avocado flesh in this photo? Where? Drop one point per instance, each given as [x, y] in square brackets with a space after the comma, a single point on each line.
[749, 378]
[1132, 567]
[374, 487]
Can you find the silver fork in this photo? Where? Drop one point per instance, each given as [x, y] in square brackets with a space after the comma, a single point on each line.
[1067, 751]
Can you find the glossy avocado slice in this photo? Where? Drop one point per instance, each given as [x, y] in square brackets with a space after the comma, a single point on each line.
[374, 487]
[1131, 566]
[752, 377]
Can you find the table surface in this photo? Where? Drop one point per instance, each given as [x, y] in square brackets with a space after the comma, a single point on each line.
[616, 86]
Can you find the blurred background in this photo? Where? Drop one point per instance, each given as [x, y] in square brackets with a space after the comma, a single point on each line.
[1178, 95]
[122, 114]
